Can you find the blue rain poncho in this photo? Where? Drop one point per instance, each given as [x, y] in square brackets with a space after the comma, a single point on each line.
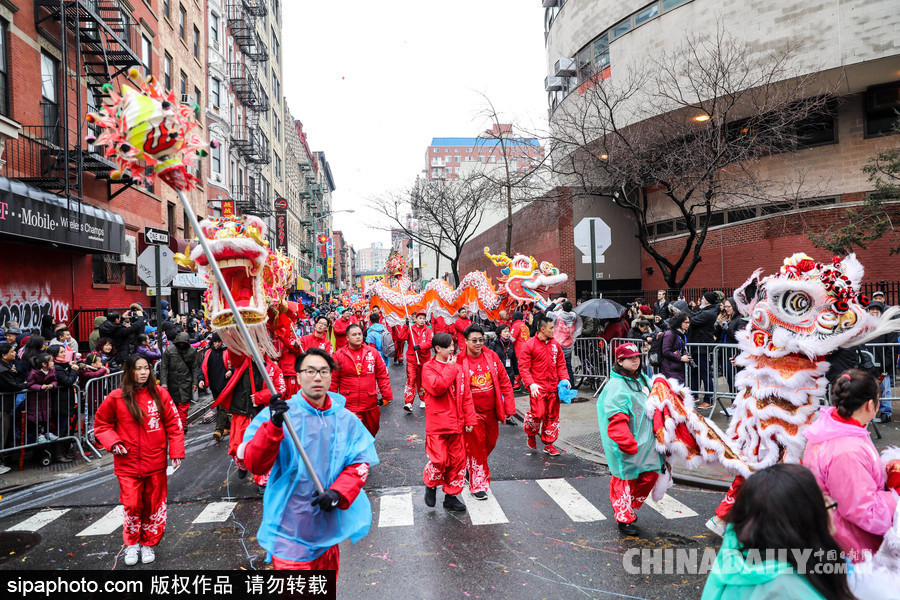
[292, 528]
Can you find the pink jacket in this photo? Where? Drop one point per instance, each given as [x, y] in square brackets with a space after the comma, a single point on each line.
[847, 467]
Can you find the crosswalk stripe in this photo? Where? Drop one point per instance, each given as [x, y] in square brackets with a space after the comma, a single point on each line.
[570, 500]
[483, 512]
[215, 512]
[670, 508]
[35, 522]
[105, 524]
[396, 510]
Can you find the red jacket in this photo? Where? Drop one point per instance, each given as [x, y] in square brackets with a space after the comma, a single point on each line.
[259, 391]
[421, 336]
[322, 343]
[505, 404]
[457, 329]
[520, 334]
[289, 353]
[150, 444]
[542, 362]
[439, 325]
[358, 385]
[340, 332]
[447, 408]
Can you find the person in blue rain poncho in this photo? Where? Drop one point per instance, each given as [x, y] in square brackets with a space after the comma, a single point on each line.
[301, 529]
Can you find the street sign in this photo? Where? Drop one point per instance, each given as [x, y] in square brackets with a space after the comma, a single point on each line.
[166, 291]
[146, 266]
[156, 236]
[315, 273]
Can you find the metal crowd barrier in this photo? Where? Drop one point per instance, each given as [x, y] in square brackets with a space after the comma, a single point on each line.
[94, 392]
[590, 362]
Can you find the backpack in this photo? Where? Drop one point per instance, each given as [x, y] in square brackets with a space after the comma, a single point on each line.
[563, 334]
[387, 343]
[655, 354]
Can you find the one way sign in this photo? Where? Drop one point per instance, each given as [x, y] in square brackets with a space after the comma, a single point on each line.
[156, 236]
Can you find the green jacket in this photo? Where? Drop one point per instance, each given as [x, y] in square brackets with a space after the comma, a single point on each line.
[734, 578]
[618, 397]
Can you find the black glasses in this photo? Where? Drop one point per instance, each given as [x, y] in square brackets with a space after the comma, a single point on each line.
[313, 372]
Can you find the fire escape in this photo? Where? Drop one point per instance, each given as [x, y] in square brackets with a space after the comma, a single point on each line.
[96, 40]
[247, 136]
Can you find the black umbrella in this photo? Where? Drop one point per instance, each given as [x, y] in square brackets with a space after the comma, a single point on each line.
[600, 308]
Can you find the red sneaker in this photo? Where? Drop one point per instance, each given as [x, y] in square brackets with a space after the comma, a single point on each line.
[551, 450]
[532, 442]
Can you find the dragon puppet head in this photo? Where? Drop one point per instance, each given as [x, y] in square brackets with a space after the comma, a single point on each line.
[524, 279]
[257, 278]
[809, 308]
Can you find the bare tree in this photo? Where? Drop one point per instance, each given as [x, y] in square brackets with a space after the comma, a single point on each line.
[448, 214]
[682, 133]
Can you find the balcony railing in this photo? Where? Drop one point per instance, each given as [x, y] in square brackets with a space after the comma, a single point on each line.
[35, 158]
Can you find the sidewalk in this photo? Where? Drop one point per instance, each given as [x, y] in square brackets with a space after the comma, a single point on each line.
[579, 433]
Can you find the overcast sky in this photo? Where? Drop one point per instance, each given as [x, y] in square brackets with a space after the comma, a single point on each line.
[373, 82]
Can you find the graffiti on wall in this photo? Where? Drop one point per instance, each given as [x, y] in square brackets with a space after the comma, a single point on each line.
[26, 305]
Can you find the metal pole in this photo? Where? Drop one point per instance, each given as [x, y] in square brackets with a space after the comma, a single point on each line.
[412, 340]
[159, 297]
[254, 351]
[593, 261]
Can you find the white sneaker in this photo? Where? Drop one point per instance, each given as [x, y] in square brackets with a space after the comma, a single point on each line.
[4, 469]
[147, 554]
[714, 526]
[51, 436]
[42, 439]
[408, 407]
[421, 404]
[131, 554]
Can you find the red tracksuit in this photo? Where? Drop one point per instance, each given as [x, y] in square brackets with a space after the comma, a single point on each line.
[542, 362]
[314, 341]
[486, 382]
[448, 410]
[287, 363]
[421, 336]
[259, 456]
[627, 495]
[340, 332]
[457, 329]
[358, 373]
[520, 334]
[399, 342]
[142, 472]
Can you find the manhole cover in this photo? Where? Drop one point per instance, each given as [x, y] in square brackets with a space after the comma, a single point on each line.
[591, 442]
[14, 544]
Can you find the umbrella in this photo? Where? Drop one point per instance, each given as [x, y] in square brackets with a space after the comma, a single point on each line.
[600, 308]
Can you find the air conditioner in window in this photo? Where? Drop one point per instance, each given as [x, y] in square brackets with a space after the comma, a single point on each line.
[129, 257]
[552, 84]
[564, 67]
[187, 99]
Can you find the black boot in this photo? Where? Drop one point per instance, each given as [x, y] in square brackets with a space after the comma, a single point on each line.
[430, 496]
[629, 529]
[451, 502]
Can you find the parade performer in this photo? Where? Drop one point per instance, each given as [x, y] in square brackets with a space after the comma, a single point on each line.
[627, 434]
[216, 369]
[448, 413]
[459, 326]
[520, 333]
[140, 425]
[797, 317]
[360, 374]
[287, 344]
[542, 367]
[301, 529]
[418, 352]
[340, 329]
[485, 380]
[399, 343]
[319, 337]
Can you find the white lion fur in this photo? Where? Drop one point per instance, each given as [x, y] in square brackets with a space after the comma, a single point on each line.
[888, 454]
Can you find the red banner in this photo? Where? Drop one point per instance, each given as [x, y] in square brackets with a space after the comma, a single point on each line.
[227, 208]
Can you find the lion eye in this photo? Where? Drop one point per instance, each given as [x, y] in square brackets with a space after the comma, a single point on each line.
[796, 303]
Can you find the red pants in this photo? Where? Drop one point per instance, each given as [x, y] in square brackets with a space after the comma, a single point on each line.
[183, 408]
[626, 496]
[728, 502]
[290, 383]
[144, 499]
[331, 560]
[371, 419]
[480, 442]
[398, 343]
[446, 461]
[239, 424]
[543, 418]
[413, 381]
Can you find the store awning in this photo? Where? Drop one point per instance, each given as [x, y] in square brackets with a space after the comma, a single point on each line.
[30, 213]
[303, 284]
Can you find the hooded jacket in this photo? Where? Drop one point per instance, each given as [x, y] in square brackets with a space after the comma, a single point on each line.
[122, 337]
[374, 339]
[95, 334]
[447, 408]
[568, 327]
[179, 369]
[359, 381]
[847, 467]
[626, 431]
[38, 400]
[149, 444]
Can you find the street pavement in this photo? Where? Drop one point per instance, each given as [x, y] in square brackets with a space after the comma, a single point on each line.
[547, 530]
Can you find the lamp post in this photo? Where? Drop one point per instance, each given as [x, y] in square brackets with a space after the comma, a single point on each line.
[315, 220]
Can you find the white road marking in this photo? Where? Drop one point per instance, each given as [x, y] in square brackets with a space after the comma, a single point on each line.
[215, 512]
[570, 500]
[670, 508]
[35, 522]
[396, 510]
[106, 524]
[483, 512]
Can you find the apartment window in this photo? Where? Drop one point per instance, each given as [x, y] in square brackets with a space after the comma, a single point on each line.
[276, 49]
[50, 96]
[214, 30]
[215, 157]
[277, 166]
[196, 43]
[215, 90]
[4, 68]
[882, 104]
[446, 149]
[276, 126]
[435, 150]
[621, 29]
[197, 96]
[183, 83]
[182, 18]
[146, 53]
[667, 4]
[468, 149]
[167, 9]
[276, 89]
[646, 14]
[167, 71]
[817, 129]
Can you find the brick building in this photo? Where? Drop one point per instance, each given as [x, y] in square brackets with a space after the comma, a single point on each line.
[447, 157]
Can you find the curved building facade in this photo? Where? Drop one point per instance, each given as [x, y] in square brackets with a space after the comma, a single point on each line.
[852, 44]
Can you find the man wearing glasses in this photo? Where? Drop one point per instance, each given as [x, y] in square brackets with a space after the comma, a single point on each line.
[485, 379]
[301, 529]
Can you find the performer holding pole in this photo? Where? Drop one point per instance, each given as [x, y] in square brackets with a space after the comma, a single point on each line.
[418, 353]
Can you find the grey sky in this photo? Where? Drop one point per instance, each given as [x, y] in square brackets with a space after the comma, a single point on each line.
[374, 82]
